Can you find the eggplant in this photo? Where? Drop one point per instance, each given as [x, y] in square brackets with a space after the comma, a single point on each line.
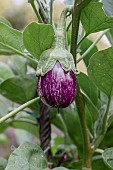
[57, 87]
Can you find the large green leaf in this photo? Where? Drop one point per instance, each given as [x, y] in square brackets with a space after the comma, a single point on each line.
[101, 70]
[19, 89]
[94, 19]
[108, 158]
[27, 156]
[10, 40]
[84, 46]
[37, 38]
[5, 72]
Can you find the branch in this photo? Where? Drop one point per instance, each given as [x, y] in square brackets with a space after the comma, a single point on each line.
[19, 109]
[51, 12]
[92, 46]
[35, 10]
[20, 53]
[42, 9]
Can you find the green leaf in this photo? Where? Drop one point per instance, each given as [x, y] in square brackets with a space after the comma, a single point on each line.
[10, 40]
[24, 121]
[37, 38]
[27, 156]
[3, 126]
[19, 89]
[108, 157]
[5, 21]
[18, 64]
[98, 164]
[5, 72]
[3, 163]
[84, 46]
[94, 19]
[101, 70]
[88, 87]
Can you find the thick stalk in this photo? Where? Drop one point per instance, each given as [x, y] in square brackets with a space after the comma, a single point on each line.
[87, 159]
[87, 152]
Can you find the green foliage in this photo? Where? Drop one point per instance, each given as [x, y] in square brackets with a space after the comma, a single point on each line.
[3, 20]
[27, 156]
[18, 64]
[5, 72]
[37, 38]
[108, 157]
[88, 87]
[100, 70]
[19, 85]
[10, 40]
[17, 88]
[99, 164]
[94, 19]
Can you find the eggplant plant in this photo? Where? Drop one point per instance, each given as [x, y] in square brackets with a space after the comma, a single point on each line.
[45, 87]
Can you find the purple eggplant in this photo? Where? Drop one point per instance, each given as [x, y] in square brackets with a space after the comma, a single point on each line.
[57, 87]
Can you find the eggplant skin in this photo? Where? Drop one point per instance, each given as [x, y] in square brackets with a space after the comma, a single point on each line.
[57, 87]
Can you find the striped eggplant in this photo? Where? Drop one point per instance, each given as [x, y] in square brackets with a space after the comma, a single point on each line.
[57, 87]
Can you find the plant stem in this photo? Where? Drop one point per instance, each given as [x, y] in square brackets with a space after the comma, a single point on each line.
[51, 12]
[87, 158]
[19, 109]
[36, 12]
[92, 46]
[42, 9]
[75, 28]
[20, 53]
